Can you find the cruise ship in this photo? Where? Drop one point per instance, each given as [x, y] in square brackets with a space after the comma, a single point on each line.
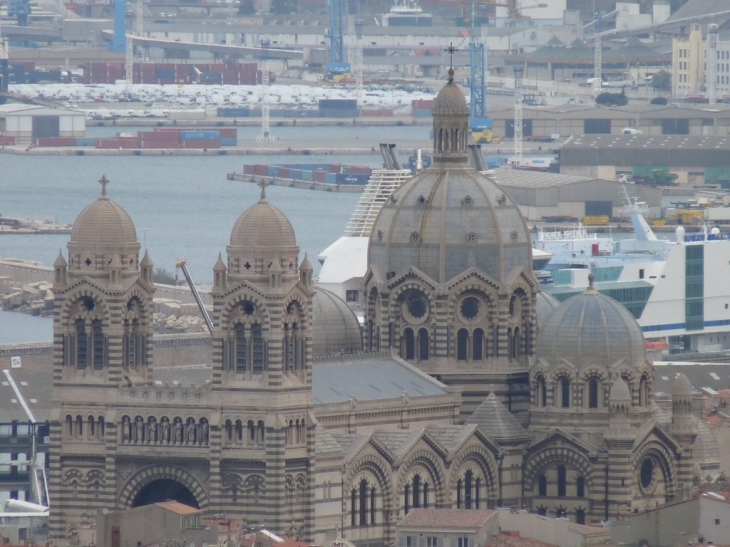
[407, 13]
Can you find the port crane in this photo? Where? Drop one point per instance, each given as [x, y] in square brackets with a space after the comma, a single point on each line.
[337, 65]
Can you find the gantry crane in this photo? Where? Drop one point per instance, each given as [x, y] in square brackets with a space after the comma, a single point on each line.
[337, 65]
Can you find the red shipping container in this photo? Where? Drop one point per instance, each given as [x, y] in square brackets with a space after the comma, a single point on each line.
[159, 136]
[158, 144]
[334, 168]
[261, 169]
[318, 175]
[228, 132]
[249, 169]
[7, 140]
[55, 141]
[283, 172]
[202, 144]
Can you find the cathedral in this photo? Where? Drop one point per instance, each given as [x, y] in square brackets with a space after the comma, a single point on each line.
[467, 388]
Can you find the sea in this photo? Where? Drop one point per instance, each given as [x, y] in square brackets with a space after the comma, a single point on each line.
[182, 206]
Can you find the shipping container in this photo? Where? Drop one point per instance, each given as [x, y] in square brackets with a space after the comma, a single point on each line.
[249, 169]
[229, 141]
[352, 179]
[228, 132]
[283, 172]
[307, 175]
[330, 178]
[260, 169]
[319, 175]
[205, 144]
[272, 170]
[7, 140]
[345, 104]
[199, 135]
[55, 141]
[295, 174]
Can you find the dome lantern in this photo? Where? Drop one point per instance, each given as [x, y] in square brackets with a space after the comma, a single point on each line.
[450, 124]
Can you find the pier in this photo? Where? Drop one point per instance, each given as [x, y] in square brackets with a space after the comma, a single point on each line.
[11, 226]
[291, 183]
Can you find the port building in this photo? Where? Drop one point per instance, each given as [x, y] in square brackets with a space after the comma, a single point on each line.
[694, 159]
[27, 123]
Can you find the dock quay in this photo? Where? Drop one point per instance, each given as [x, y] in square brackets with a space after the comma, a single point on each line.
[11, 226]
[292, 183]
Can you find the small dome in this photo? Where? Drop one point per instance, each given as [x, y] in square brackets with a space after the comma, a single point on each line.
[450, 101]
[546, 303]
[591, 328]
[682, 387]
[619, 392]
[263, 225]
[104, 222]
[336, 328]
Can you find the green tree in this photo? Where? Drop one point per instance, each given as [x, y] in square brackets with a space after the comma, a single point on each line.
[660, 100]
[246, 7]
[161, 275]
[612, 99]
[662, 81]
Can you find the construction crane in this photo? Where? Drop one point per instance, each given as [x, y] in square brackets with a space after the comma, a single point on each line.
[183, 265]
[265, 135]
[479, 123]
[337, 66]
[514, 10]
[129, 64]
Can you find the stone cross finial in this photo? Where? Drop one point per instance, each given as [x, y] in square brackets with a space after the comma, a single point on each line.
[103, 181]
[451, 50]
[263, 184]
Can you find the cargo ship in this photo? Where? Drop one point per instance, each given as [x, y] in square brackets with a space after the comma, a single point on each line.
[330, 177]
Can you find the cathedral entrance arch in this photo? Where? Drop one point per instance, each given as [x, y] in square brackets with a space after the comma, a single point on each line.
[158, 483]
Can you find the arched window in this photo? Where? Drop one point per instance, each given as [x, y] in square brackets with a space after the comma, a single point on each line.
[372, 505]
[229, 431]
[239, 432]
[477, 488]
[69, 426]
[542, 486]
[462, 342]
[100, 429]
[98, 344]
[261, 432]
[81, 345]
[467, 489]
[561, 481]
[79, 427]
[91, 431]
[477, 352]
[565, 393]
[409, 345]
[257, 343]
[241, 349]
[541, 392]
[416, 491]
[580, 516]
[353, 508]
[406, 495]
[643, 392]
[580, 487]
[458, 494]
[593, 393]
[425, 495]
[363, 502]
[423, 345]
[251, 438]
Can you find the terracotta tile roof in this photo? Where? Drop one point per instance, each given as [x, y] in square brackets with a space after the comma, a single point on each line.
[505, 540]
[445, 518]
[179, 508]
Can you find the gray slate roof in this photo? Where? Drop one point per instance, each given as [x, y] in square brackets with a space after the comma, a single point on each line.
[498, 422]
[369, 378]
[324, 443]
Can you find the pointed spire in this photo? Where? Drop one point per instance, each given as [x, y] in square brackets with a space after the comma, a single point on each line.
[60, 261]
[275, 267]
[146, 260]
[220, 266]
[306, 265]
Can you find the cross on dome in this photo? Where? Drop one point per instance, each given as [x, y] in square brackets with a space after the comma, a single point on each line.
[451, 50]
[263, 183]
[103, 181]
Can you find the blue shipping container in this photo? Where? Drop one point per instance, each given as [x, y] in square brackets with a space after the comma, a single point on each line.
[86, 141]
[233, 112]
[295, 174]
[229, 141]
[272, 170]
[330, 178]
[165, 74]
[307, 175]
[352, 179]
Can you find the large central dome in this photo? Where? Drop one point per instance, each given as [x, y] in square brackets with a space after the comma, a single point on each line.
[446, 221]
[450, 218]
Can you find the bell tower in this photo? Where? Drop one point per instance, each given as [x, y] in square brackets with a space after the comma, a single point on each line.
[262, 310]
[102, 339]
